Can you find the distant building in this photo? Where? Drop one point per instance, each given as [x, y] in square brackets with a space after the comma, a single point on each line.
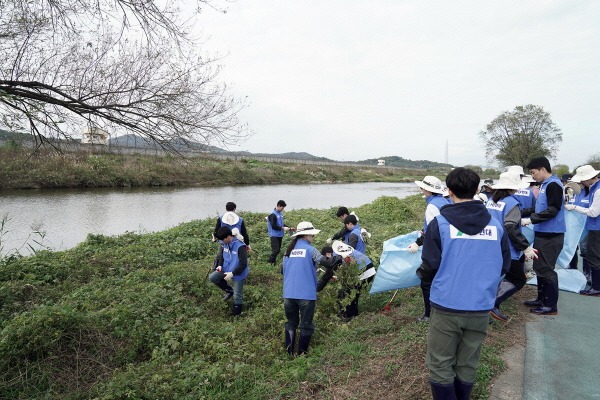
[95, 136]
[381, 162]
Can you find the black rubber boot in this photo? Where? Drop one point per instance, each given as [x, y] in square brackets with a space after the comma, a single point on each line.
[540, 294]
[442, 392]
[505, 290]
[303, 343]
[586, 271]
[237, 309]
[462, 389]
[290, 341]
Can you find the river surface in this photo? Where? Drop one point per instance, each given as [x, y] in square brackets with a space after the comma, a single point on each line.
[67, 216]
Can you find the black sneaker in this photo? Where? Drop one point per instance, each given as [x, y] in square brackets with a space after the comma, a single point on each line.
[533, 303]
[227, 295]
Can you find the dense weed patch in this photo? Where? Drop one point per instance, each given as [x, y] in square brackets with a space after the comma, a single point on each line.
[134, 316]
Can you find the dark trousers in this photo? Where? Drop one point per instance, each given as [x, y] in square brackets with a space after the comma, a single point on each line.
[548, 250]
[425, 290]
[300, 313]
[516, 273]
[275, 248]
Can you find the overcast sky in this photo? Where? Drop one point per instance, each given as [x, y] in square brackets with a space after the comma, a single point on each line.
[351, 80]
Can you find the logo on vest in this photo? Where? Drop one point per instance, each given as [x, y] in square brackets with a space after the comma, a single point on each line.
[298, 253]
[522, 192]
[488, 233]
[499, 206]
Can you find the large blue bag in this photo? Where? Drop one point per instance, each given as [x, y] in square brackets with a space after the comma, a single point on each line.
[397, 266]
[575, 223]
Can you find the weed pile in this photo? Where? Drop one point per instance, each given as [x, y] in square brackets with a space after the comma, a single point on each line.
[134, 316]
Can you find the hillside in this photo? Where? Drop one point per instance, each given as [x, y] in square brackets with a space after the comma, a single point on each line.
[395, 161]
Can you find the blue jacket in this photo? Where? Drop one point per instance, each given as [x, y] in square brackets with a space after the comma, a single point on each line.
[465, 253]
[300, 273]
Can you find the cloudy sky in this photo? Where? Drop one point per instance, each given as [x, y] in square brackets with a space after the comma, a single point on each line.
[351, 80]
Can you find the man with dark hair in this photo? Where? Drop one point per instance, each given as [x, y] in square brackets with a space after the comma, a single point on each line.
[276, 229]
[353, 236]
[548, 217]
[231, 265]
[465, 252]
[233, 221]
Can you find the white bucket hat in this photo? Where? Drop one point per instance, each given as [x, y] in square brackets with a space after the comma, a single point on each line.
[342, 248]
[431, 184]
[528, 179]
[584, 173]
[511, 181]
[515, 169]
[230, 218]
[305, 228]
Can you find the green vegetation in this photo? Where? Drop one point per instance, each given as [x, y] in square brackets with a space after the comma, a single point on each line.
[134, 316]
[49, 169]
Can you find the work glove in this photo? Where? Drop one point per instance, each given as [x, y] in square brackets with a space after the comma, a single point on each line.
[329, 241]
[285, 229]
[569, 207]
[530, 253]
[214, 239]
[228, 276]
[525, 221]
[219, 268]
[413, 247]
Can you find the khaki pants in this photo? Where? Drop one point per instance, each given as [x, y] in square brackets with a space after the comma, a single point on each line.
[453, 345]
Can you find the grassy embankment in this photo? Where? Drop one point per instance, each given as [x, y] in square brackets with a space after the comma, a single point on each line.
[48, 169]
[134, 317]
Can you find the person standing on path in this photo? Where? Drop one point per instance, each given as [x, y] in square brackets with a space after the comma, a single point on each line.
[465, 252]
[588, 176]
[549, 227]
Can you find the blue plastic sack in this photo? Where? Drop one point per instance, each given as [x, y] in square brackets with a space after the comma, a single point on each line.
[571, 280]
[575, 223]
[397, 266]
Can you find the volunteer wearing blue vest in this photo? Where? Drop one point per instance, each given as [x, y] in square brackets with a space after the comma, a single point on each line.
[588, 176]
[549, 235]
[524, 195]
[231, 220]
[342, 213]
[276, 229]
[465, 252]
[231, 265]
[300, 285]
[353, 236]
[582, 199]
[504, 206]
[432, 189]
[366, 271]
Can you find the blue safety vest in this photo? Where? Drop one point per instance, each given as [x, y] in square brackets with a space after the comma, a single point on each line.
[231, 260]
[553, 225]
[498, 211]
[238, 225]
[272, 232]
[525, 197]
[438, 201]
[300, 273]
[470, 268]
[360, 246]
[593, 223]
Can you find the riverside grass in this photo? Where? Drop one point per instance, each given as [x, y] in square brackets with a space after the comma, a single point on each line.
[19, 169]
[134, 316]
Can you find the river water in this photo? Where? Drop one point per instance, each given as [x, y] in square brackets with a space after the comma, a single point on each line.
[67, 216]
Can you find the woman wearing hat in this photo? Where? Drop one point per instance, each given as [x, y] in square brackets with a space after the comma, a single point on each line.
[588, 176]
[300, 285]
[433, 191]
[505, 207]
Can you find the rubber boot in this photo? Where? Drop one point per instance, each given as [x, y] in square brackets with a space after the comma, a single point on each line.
[462, 389]
[442, 392]
[586, 270]
[237, 309]
[303, 343]
[290, 341]
[540, 294]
